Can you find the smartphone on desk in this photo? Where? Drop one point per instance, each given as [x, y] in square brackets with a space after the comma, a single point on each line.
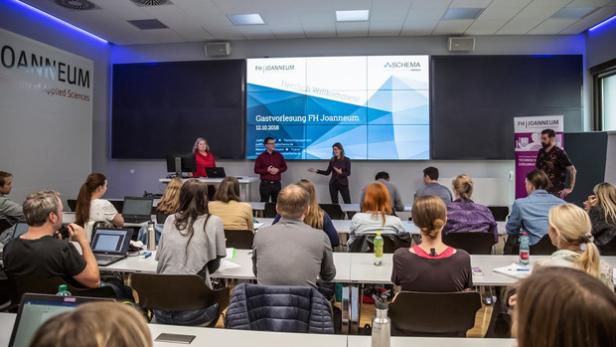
[175, 338]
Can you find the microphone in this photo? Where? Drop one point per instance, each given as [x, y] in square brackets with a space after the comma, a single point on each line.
[432, 252]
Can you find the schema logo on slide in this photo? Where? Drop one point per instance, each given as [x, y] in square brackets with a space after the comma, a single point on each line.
[402, 65]
[284, 67]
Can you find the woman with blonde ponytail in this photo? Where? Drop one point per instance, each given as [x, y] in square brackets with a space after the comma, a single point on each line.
[570, 231]
[601, 207]
[431, 266]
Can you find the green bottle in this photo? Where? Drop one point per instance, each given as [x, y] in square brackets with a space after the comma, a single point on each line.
[63, 290]
[378, 249]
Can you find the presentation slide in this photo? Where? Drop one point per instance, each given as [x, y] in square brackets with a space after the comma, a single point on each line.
[376, 106]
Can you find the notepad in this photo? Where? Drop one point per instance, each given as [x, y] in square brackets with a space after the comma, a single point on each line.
[515, 270]
[258, 225]
[227, 265]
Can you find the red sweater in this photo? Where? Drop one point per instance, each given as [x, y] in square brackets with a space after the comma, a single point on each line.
[204, 162]
[265, 160]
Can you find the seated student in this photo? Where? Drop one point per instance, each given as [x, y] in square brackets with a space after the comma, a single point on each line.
[561, 307]
[601, 208]
[570, 232]
[375, 215]
[39, 254]
[463, 215]
[10, 211]
[235, 214]
[396, 200]
[91, 208]
[530, 214]
[291, 252]
[317, 217]
[432, 187]
[96, 324]
[431, 266]
[168, 205]
[192, 242]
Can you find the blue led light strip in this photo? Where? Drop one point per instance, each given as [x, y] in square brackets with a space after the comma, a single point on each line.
[34, 9]
[611, 19]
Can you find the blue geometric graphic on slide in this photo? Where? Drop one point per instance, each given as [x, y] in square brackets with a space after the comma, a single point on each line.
[394, 125]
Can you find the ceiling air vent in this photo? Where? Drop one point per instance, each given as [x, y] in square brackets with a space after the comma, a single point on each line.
[148, 24]
[144, 3]
[76, 4]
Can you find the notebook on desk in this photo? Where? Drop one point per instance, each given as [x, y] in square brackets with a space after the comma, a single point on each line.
[137, 210]
[36, 309]
[110, 245]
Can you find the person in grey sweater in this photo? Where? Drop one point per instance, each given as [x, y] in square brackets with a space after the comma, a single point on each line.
[396, 199]
[432, 187]
[10, 211]
[290, 252]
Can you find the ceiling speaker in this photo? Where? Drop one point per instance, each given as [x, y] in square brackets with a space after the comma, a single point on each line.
[461, 44]
[218, 49]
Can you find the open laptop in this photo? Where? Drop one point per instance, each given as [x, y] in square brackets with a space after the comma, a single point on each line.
[36, 309]
[137, 210]
[110, 245]
[215, 172]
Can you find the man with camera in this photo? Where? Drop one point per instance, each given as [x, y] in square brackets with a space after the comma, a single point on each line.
[42, 253]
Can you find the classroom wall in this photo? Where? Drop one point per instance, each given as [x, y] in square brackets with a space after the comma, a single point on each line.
[45, 167]
[601, 44]
[133, 177]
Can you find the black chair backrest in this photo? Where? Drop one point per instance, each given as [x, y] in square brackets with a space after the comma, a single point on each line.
[19, 286]
[72, 204]
[543, 247]
[365, 243]
[4, 224]
[609, 248]
[500, 213]
[472, 242]
[240, 239]
[176, 292]
[333, 210]
[433, 314]
[270, 210]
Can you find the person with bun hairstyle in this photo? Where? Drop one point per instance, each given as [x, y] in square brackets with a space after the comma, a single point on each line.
[562, 307]
[570, 232]
[464, 215]
[431, 266]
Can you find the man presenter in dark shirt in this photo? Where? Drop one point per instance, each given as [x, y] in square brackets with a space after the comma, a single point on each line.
[556, 164]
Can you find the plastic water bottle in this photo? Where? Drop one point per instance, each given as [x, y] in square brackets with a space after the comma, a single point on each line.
[524, 249]
[381, 326]
[151, 244]
[63, 290]
[378, 249]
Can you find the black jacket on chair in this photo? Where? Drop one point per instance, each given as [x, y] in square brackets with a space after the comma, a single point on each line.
[279, 308]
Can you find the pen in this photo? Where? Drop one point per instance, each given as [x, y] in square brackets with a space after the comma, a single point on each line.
[146, 255]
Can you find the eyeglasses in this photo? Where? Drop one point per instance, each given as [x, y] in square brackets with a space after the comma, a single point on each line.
[270, 143]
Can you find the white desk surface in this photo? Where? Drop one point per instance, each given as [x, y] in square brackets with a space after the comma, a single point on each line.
[228, 268]
[398, 341]
[7, 320]
[364, 271]
[356, 208]
[343, 226]
[214, 337]
[242, 180]
[228, 337]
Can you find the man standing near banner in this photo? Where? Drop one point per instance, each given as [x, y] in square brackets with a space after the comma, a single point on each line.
[556, 164]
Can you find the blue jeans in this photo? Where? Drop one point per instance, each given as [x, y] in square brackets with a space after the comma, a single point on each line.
[200, 317]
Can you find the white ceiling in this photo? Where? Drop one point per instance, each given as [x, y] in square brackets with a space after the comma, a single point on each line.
[202, 20]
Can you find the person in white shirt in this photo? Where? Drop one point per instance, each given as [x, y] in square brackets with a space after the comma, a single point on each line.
[376, 214]
[91, 208]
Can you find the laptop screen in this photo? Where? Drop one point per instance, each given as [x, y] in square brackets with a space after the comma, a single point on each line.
[137, 207]
[34, 313]
[36, 310]
[110, 240]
